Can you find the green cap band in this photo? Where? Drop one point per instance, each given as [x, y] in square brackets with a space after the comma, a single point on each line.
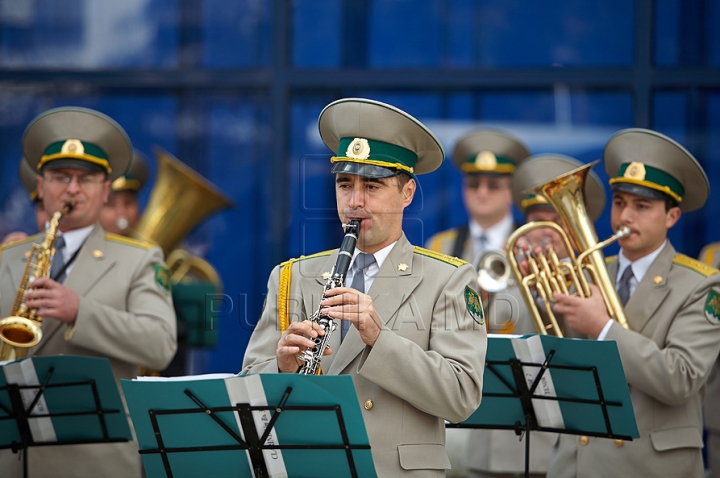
[377, 153]
[75, 149]
[650, 177]
[488, 162]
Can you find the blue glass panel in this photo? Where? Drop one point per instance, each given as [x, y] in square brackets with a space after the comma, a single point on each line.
[236, 34]
[667, 32]
[89, 34]
[312, 45]
[524, 33]
[314, 224]
[405, 33]
[669, 118]
[713, 30]
[711, 163]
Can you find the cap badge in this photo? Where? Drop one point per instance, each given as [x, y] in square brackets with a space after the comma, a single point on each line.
[485, 160]
[73, 146]
[635, 170]
[358, 149]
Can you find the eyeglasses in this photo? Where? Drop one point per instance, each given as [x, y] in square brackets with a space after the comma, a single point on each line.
[85, 180]
[491, 183]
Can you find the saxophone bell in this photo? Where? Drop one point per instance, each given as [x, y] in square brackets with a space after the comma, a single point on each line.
[22, 330]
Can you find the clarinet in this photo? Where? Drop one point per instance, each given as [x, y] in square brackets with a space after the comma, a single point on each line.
[312, 356]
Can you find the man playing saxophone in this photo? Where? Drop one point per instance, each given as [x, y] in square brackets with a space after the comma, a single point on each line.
[415, 341]
[106, 296]
[672, 306]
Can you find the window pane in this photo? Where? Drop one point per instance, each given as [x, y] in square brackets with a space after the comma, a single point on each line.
[88, 34]
[498, 33]
[236, 34]
[312, 46]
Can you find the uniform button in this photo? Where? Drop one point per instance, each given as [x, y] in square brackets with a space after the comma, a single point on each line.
[368, 404]
[619, 443]
[584, 440]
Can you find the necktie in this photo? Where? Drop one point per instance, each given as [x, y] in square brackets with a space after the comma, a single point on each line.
[481, 243]
[624, 285]
[362, 262]
[58, 260]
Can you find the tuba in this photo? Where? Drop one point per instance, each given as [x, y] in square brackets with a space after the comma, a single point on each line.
[547, 273]
[180, 199]
[23, 329]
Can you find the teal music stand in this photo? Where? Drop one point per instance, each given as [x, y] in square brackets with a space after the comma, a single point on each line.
[194, 426]
[59, 400]
[591, 395]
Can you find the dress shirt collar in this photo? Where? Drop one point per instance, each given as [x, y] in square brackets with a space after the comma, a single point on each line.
[496, 235]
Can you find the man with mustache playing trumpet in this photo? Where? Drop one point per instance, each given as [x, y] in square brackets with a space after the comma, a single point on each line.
[416, 341]
[107, 296]
[672, 305]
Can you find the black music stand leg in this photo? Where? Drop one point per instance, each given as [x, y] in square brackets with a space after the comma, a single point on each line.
[25, 462]
[527, 449]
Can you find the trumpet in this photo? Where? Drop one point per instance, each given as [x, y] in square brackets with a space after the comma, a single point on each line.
[494, 272]
[23, 328]
[548, 274]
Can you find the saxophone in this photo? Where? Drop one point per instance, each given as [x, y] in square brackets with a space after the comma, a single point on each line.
[23, 329]
[312, 356]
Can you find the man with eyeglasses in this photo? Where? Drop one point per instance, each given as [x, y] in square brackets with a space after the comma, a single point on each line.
[107, 295]
[487, 159]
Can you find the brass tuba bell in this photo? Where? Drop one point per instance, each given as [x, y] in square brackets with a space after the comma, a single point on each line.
[180, 199]
[547, 273]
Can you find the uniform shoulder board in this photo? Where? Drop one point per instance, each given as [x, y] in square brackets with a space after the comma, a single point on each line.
[313, 256]
[440, 256]
[129, 241]
[18, 243]
[697, 266]
[609, 259]
[444, 236]
[710, 253]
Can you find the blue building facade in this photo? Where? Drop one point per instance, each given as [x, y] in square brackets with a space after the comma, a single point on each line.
[234, 89]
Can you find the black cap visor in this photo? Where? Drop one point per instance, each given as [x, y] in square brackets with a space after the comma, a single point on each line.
[73, 164]
[641, 191]
[365, 170]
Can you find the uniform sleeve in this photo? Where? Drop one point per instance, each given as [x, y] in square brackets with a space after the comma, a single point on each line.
[260, 353]
[144, 334]
[679, 368]
[446, 379]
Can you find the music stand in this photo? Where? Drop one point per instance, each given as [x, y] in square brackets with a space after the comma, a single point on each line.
[304, 421]
[590, 395]
[59, 400]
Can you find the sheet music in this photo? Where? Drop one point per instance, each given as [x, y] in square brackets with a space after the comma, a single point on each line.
[249, 389]
[23, 373]
[547, 412]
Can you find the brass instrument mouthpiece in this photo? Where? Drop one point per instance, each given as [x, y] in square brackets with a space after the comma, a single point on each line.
[623, 231]
[68, 207]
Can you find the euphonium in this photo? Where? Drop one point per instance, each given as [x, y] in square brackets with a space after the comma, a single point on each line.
[22, 330]
[311, 357]
[548, 274]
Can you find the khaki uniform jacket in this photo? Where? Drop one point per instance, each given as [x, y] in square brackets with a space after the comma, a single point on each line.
[711, 255]
[444, 241]
[426, 365]
[667, 355]
[124, 315]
